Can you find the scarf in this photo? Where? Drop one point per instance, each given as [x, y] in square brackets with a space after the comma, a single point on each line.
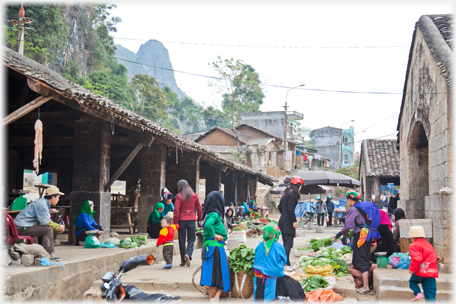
[384, 219]
[85, 208]
[158, 206]
[214, 202]
[398, 214]
[271, 234]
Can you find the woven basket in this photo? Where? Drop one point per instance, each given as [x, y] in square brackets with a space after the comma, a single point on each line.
[245, 291]
[405, 244]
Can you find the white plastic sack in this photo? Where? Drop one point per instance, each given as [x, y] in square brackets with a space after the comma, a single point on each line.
[115, 241]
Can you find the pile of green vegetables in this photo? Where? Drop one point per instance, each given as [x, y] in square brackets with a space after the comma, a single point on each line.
[315, 244]
[241, 258]
[133, 242]
[314, 282]
[199, 229]
[328, 256]
[238, 229]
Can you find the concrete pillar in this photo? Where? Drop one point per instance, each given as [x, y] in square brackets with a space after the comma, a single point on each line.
[91, 163]
[230, 182]
[213, 180]
[153, 176]
[377, 192]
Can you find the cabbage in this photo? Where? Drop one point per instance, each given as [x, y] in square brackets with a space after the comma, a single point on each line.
[125, 244]
[133, 245]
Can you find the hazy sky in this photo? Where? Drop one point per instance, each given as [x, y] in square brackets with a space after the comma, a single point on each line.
[353, 46]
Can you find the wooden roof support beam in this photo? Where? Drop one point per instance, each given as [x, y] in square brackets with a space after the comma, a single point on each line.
[25, 109]
[123, 166]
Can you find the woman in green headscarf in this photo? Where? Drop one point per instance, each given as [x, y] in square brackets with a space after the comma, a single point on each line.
[270, 280]
[154, 222]
[85, 222]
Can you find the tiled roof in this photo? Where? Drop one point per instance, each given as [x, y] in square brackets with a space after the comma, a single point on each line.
[242, 137]
[90, 103]
[383, 157]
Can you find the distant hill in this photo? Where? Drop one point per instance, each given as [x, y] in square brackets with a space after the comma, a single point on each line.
[155, 62]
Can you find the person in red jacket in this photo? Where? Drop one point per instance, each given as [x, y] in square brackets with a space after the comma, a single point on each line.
[423, 266]
[186, 207]
[166, 238]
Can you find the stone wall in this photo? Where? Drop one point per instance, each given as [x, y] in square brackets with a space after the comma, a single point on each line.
[426, 146]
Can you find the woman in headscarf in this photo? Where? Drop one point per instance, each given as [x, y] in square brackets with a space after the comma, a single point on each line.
[270, 281]
[167, 202]
[215, 273]
[398, 215]
[154, 222]
[85, 222]
[185, 210]
[364, 219]
[386, 242]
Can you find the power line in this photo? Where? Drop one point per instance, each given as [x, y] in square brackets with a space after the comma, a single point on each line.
[268, 46]
[378, 122]
[218, 78]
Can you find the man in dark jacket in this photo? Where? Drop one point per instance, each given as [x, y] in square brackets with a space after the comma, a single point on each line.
[330, 207]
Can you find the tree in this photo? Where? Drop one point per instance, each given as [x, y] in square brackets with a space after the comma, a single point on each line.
[240, 87]
[351, 171]
[152, 100]
[214, 117]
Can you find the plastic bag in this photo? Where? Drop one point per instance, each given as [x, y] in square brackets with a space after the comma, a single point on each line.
[337, 245]
[107, 245]
[113, 240]
[92, 242]
[399, 259]
[404, 262]
[45, 262]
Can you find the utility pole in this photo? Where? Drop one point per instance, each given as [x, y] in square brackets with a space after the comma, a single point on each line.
[286, 128]
[21, 26]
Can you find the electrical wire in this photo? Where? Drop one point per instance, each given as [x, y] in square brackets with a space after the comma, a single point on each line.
[377, 123]
[268, 46]
[218, 78]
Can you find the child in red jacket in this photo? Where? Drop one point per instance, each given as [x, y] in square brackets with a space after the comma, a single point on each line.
[166, 238]
[423, 266]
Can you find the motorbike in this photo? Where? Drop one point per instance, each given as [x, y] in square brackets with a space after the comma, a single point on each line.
[114, 291]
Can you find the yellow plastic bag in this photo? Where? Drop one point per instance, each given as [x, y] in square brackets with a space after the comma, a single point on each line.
[324, 271]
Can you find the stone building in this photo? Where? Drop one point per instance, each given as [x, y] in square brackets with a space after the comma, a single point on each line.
[424, 137]
[274, 123]
[379, 165]
[260, 149]
[327, 141]
[90, 142]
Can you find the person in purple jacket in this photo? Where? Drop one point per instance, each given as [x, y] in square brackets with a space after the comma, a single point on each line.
[85, 222]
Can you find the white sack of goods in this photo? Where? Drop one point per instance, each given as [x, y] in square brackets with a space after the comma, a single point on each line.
[38, 145]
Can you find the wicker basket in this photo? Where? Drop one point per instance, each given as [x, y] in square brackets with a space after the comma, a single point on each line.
[405, 244]
[245, 291]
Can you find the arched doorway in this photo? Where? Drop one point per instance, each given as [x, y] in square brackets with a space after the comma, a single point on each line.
[418, 172]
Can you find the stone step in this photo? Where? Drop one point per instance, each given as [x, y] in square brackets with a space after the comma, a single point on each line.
[394, 293]
[400, 278]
